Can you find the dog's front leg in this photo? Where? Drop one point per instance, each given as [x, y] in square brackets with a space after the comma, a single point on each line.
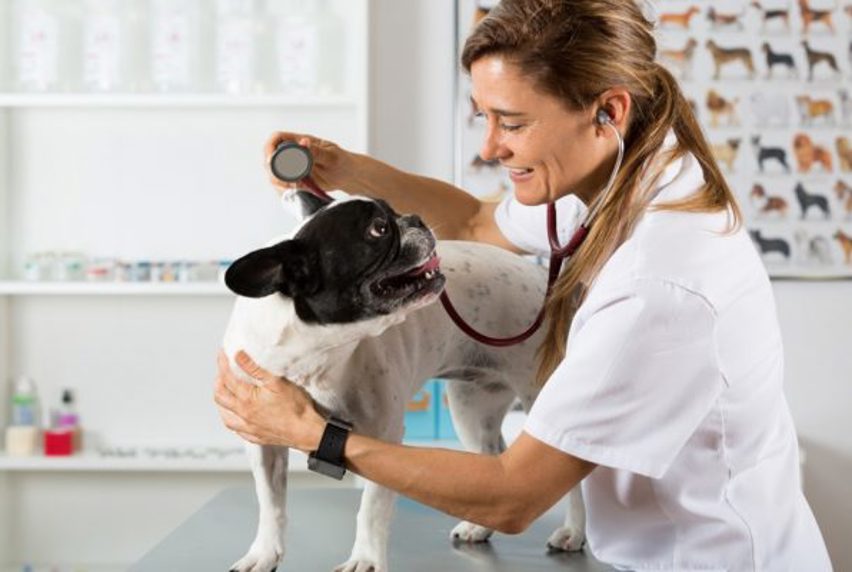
[269, 467]
[370, 550]
[571, 535]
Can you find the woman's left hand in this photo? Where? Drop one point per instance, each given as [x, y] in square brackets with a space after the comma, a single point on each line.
[273, 412]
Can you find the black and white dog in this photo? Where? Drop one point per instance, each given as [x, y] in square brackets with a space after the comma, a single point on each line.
[344, 308]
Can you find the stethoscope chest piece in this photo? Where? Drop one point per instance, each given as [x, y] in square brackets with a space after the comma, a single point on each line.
[291, 162]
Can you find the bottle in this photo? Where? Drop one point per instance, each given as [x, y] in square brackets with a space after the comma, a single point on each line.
[103, 46]
[36, 45]
[67, 419]
[235, 45]
[175, 44]
[295, 45]
[24, 402]
[331, 56]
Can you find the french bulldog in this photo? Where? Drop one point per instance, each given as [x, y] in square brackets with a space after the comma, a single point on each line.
[345, 308]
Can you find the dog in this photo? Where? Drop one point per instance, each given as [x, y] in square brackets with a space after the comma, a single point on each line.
[724, 56]
[720, 20]
[811, 16]
[808, 200]
[726, 153]
[678, 19]
[845, 106]
[808, 154]
[814, 249]
[778, 59]
[764, 154]
[843, 191]
[846, 244]
[680, 61]
[771, 15]
[770, 109]
[345, 309]
[767, 204]
[769, 245]
[720, 107]
[811, 109]
[844, 153]
[815, 57]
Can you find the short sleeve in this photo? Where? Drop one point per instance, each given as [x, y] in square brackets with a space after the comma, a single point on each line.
[639, 376]
[526, 226]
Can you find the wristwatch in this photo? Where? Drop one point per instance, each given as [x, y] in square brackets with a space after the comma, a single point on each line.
[328, 458]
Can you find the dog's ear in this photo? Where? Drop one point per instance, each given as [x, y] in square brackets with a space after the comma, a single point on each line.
[290, 267]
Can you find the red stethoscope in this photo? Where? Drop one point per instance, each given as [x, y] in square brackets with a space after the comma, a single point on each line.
[292, 163]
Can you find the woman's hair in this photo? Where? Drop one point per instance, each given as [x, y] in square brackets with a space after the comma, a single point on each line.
[576, 50]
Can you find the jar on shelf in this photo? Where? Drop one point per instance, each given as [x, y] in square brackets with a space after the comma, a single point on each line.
[236, 46]
[36, 45]
[104, 45]
[175, 44]
[295, 45]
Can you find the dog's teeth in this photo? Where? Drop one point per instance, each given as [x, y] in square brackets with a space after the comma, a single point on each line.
[430, 274]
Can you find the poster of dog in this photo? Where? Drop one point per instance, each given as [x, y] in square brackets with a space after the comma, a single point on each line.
[771, 79]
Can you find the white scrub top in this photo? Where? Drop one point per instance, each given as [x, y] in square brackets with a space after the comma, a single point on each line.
[672, 384]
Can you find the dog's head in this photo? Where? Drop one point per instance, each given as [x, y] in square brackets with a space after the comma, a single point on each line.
[351, 260]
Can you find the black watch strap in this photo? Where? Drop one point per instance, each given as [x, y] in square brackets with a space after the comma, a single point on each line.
[328, 458]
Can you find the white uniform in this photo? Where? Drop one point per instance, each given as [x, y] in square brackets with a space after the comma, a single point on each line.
[672, 384]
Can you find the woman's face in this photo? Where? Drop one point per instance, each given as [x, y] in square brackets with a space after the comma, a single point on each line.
[549, 150]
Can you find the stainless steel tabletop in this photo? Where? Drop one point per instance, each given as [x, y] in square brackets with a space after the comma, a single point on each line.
[322, 528]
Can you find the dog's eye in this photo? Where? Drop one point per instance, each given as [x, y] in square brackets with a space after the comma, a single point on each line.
[378, 228]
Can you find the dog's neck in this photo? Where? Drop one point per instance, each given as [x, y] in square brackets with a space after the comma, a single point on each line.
[285, 345]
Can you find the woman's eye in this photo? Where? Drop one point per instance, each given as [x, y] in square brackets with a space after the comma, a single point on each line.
[507, 127]
[378, 228]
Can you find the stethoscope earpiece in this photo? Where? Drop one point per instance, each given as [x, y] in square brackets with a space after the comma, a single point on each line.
[603, 117]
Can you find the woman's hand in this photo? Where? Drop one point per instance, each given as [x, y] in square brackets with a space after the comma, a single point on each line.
[332, 164]
[273, 412]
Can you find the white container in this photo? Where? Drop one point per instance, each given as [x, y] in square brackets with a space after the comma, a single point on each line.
[35, 45]
[175, 44]
[103, 46]
[332, 50]
[295, 45]
[236, 46]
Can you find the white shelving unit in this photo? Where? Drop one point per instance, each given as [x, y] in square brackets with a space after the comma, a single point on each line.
[136, 176]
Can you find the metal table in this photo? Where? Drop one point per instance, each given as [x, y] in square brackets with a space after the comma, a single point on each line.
[322, 528]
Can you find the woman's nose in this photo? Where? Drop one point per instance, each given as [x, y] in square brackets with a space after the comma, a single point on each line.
[492, 148]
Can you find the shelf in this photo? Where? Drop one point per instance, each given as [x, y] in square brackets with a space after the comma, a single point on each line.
[161, 100]
[24, 288]
[95, 462]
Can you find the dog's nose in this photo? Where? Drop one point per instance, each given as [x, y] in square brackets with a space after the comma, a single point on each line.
[412, 221]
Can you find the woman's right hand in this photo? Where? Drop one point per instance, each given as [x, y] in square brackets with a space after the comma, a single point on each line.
[332, 164]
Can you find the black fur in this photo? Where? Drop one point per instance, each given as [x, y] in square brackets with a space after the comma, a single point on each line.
[807, 200]
[335, 269]
[768, 245]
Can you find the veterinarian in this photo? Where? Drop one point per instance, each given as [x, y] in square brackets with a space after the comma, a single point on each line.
[663, 364]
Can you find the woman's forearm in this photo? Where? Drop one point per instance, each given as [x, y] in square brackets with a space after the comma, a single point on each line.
[449, 211]
[483, 496]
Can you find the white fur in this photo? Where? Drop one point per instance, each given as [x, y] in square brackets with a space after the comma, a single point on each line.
[367, 372]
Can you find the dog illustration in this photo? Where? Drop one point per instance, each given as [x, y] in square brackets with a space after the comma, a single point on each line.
[844, 153]
[770, 109]
[811, 109]
[720, 107]
[815, 57]
[808, 200]
[767, 246]
[678, 19]
[811, 16]
[773, 15]
[843, 190]
[767, 204]
[764, 154]
[726, 153]
[846, 244]
[724, 56]
[333, 323]
[720, 20]
[680, 61]
[814, 249]
[845, 105]
[808, 154]
[778, 59]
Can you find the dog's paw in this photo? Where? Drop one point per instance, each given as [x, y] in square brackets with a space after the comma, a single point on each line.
[360, 565]
[469, 532]
[258, 560]
[566, 539]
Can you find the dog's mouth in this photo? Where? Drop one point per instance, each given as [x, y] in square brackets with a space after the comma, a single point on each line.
[421, 278]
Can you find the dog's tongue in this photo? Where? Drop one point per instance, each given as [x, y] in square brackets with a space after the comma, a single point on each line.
[431, 264]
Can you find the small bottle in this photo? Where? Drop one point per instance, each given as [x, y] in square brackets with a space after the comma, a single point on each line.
[24, 402]
[235, 45]
[175, 45]
[296, 45]
[68, 419]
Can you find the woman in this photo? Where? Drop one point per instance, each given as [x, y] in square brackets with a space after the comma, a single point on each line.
[662, 366]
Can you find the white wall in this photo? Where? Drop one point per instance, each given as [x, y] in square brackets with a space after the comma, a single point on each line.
[411, 127]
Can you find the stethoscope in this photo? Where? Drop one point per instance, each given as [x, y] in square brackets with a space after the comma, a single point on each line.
[293, 163]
